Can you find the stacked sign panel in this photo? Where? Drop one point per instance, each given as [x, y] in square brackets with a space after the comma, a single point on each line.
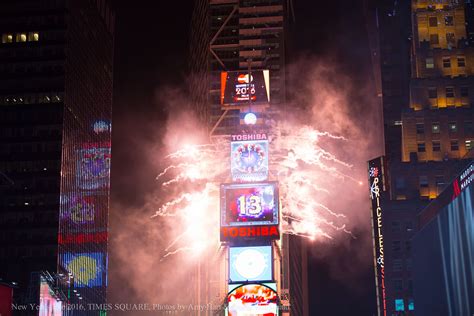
[84, 205]
[249, 220]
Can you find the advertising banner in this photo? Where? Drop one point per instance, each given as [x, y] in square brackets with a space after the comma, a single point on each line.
[252, 299]
[6, 300]
[250, 264]
[49, 304]
[377, 192]
[240, 87]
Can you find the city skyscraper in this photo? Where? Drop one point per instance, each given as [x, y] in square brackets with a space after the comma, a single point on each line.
[56, 100]
[425, 64]
[248, 36]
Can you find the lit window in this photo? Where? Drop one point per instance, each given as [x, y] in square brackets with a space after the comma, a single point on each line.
[433, 21]
[454, 145]
[423, 181]
[452, 127]
[464, 92]
[399, 305]
[461, 61]
[421, 147]
[429, 63]
[446, 62]
[434, 39]
[449, 92]
[469, 144]
[21, 37]
[411, 304]
[7, 38]
[33, 36]
[435, 128]
[432, 93]
[436, 146]
[448, 20]
[420, 128]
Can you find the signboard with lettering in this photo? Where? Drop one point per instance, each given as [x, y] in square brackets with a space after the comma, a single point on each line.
[377, 190]
[240, 87]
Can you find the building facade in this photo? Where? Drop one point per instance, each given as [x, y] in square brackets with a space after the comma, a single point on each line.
[425, 53]
[56, 101]
[443, 250]
[246, 36]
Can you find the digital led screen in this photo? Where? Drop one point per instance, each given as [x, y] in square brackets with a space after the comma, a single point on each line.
[249, 204]
[49, 304]
[93, 167]
[238, 87]
[249, 160]
[77, 209]
[87, 268]
[250, 264]
[252, 299]
[83, 211]
[377, 192]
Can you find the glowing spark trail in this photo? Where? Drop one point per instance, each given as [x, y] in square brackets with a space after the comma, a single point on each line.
[306, 174]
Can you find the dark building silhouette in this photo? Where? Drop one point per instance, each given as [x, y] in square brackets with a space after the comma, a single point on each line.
[55, 118]
[426, 79]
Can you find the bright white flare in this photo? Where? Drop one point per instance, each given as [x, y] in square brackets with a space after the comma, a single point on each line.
[303, 169]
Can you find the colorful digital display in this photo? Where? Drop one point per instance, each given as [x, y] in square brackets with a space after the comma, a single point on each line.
[249, 160]
[249, 204]
[238, 87]
[93, 167]
[87, 268]
[49, 304]
[250, 264]
[252, 299]
[377, 189]
[77, 209]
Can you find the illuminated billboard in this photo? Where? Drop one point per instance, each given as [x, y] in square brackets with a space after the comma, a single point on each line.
[249, 204]
[83, 211]
[252, 299]
[49, 304]
[249, 211]
[250, 264]
[93, 166]
[377, 189]
[249, 160]
[238, 87]
[87, 268]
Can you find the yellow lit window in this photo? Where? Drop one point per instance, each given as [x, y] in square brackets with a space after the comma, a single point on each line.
[21, 37]
[33, 36]
[7, 38]
[429, 63]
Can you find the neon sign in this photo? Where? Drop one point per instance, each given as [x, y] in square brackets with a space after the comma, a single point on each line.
[376, 181]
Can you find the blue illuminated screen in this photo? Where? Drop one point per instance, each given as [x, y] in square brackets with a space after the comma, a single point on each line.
[250, 264]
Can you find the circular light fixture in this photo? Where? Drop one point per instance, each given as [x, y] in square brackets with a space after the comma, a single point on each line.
[250, 264]
[250, 118]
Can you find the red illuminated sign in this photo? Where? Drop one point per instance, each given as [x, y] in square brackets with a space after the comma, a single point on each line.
[82, 238]
[249, 232]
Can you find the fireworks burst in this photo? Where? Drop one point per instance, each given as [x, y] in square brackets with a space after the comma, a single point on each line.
[304, 170]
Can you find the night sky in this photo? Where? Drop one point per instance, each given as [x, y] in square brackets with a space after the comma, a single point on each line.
[151, 49]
